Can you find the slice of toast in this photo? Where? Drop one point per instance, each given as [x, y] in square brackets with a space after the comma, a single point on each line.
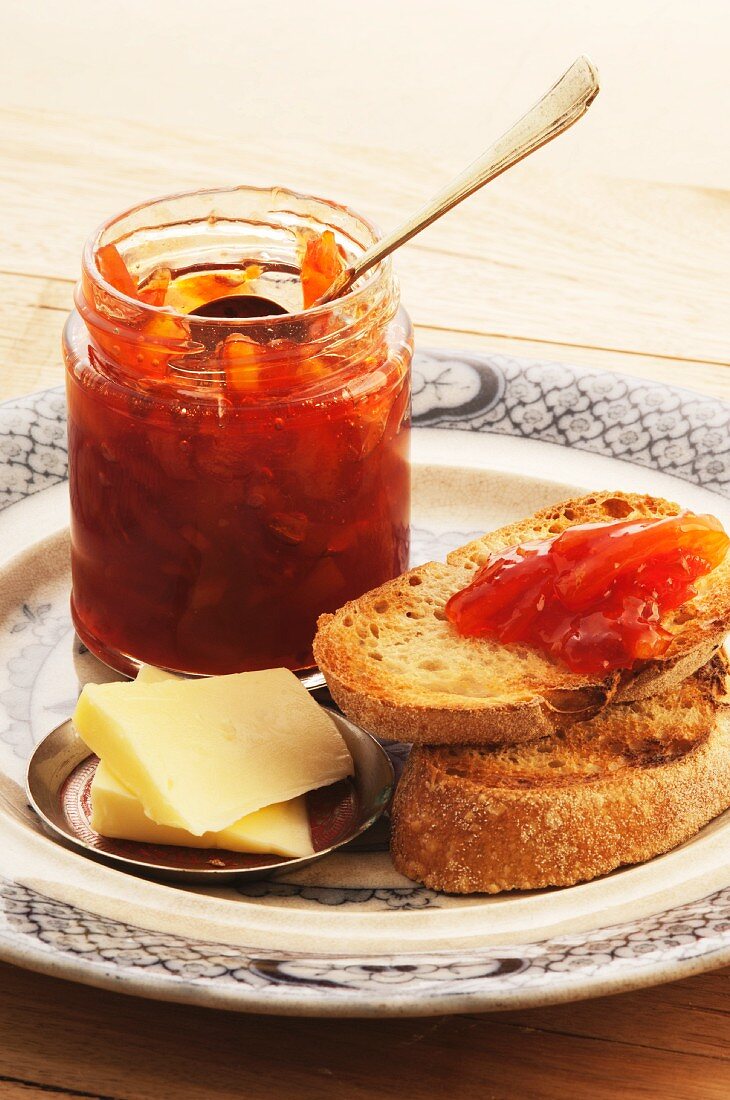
[396, 665]
[622, 788]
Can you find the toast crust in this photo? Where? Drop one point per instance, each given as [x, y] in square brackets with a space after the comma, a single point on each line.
[620, 789]
[396, 666]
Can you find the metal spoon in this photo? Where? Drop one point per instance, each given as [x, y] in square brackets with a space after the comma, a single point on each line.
[564, 104]
[240, 305]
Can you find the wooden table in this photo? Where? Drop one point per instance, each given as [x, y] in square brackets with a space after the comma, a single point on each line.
[612, 250]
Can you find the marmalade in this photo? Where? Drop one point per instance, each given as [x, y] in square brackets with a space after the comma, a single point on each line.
[594, 597]
[231, 480]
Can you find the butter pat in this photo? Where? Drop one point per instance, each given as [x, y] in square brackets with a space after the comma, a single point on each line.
[148, 674]
[201, 754]
[282, 829]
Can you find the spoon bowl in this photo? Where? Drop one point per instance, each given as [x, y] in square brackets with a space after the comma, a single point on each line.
[240, 306]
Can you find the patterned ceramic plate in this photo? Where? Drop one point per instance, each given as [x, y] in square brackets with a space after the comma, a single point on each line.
[496, 439]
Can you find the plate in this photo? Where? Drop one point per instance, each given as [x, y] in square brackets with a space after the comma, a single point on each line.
[496, 438]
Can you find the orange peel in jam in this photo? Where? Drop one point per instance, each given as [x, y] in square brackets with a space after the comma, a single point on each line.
[114, 270]
[241, 358]
[154, 291]
[594, 597]
[322, 261]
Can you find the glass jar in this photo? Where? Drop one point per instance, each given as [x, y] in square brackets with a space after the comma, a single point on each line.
[231, 479]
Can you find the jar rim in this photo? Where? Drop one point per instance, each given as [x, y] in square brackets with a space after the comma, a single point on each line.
[379, 273]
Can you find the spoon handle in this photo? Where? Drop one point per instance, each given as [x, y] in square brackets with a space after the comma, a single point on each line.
[559, 108]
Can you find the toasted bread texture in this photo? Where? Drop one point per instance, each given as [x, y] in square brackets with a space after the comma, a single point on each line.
[626, 786]
[396, 665]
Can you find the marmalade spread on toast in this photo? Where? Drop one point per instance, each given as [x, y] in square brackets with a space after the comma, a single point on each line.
[593, 597]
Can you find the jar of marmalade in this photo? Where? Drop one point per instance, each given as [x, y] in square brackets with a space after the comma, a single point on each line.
[231, 478]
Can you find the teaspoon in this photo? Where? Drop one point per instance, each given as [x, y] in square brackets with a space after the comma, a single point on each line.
[560, 107]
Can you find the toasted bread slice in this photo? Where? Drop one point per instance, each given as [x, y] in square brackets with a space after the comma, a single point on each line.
[397, 666]
[622, 788]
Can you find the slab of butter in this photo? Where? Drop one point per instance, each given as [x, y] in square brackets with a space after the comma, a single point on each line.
[282, 829]
[201, 754]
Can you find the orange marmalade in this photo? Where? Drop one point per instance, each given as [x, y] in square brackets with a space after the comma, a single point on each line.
[231, 478]
[594, 597]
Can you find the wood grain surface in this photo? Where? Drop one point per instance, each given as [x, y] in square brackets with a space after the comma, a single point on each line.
[670, 1041]
[613, 251]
